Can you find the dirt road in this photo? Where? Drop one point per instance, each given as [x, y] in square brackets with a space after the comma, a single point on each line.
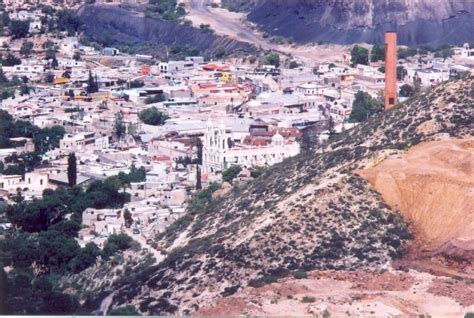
[225, 23]
[233, 25]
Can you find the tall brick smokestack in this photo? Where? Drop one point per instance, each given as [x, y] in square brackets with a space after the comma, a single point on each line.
[390, 69]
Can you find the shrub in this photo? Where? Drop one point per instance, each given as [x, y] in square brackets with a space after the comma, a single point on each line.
[152, 116]
[300, 275]
[308, 299]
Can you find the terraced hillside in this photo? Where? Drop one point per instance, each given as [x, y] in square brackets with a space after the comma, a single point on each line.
[311, 212]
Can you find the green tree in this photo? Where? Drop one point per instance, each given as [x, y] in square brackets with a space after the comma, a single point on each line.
[198, 144]
[198, 178]
[331, 126]
[401, 73]
[86, 257]
[115, 243]
[417, 83]
[273, 59]
[155, 99]
[11, 60]
[68, 21]
[152, 116]
[119, 126]
[364, 106]
[293, 65]
[231, 173]
[19, 29]
[26, 48]
[309, 140]
[3, 77]
[127, 215]
[24, 89]
[54, 63]
[92, 85]
[359, 55]
[18, 198]
[407, 90]
[72, 169]
[444, 53]
[377, 53]
[55, 250]
[404, 53]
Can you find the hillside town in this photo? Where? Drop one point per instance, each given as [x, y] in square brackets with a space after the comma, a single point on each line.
[234, 157]
[186, 122]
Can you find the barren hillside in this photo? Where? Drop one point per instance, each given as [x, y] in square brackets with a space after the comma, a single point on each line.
[433, 186]
[311, 212]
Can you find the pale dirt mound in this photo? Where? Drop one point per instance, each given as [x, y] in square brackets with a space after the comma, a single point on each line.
[433, 186]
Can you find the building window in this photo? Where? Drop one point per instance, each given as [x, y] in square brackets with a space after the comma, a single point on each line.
[391, 100]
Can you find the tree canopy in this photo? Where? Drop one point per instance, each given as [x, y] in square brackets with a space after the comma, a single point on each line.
[364, 106]
[377, 53]
[19, 29]
[359, 55]
[44, 239]
[72, 169]
[152, 116]
[273, 59]
[231, 173]
[407, 90]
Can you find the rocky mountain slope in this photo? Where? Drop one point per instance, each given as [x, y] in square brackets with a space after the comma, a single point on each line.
[311, 212]
[115, 26]
[350, 21]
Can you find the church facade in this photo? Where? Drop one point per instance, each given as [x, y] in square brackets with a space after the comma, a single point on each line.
[220, 152]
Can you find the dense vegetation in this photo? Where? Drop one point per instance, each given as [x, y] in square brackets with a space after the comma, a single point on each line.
[41, 247]
[53, 20]
[43, 138]
[166, 9]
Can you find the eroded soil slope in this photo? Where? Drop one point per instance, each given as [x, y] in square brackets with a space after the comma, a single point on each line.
[355, 293]
[433, 186]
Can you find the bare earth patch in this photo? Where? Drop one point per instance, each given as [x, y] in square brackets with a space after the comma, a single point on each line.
[347, 293]
[433, 186]
[462, 290]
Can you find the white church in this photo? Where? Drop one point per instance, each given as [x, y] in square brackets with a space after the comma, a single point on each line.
[219, 154]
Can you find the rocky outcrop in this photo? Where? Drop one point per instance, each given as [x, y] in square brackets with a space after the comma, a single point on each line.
[350, 21]
[131, 31]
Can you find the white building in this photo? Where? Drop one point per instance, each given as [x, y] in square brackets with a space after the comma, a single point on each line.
[83, 141]
[218, 156]
[427, 77]
[464, 51]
